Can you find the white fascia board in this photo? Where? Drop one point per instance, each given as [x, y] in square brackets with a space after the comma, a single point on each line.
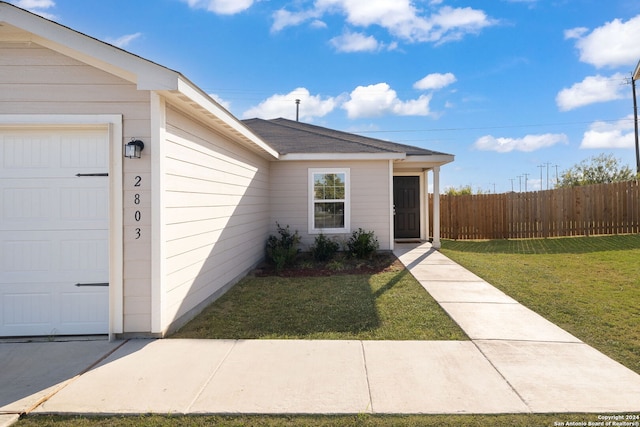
[146, 74]
[343, 156]
[191, 91]
[436, 159]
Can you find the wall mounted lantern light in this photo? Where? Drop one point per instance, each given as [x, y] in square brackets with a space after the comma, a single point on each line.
[133, 149]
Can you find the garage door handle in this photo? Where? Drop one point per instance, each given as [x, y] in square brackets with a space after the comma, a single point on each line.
[92, 284]
[92, 174]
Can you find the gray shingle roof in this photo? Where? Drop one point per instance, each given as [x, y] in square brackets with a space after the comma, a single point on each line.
[288, 136]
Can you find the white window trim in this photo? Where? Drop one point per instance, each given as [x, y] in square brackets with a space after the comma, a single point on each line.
[347, 201]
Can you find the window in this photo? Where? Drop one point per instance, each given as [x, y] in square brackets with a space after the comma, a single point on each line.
[329, 200]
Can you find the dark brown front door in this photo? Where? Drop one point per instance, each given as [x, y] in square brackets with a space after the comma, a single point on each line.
[406, 200]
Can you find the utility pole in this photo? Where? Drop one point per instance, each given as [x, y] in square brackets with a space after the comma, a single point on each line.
[548, 164]
[520, 183]
[557, 181]
[634, 77]
[541, 181]
[512, 179]
[526, 177]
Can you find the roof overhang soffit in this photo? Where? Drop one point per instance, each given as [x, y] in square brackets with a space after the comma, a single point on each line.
[636, 73]
[424, 162]
[192, 99]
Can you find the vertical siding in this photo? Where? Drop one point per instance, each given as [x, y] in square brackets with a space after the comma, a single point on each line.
[216, 213]
[36, 80]
[370, 198]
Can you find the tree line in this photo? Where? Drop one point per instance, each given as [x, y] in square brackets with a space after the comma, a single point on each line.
[601, 169]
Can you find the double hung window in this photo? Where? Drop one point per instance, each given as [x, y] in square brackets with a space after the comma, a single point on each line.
[329, 207]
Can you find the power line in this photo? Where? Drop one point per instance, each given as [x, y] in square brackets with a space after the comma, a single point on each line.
[490, 127]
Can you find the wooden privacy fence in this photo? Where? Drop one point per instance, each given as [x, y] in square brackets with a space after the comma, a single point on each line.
[575, 211]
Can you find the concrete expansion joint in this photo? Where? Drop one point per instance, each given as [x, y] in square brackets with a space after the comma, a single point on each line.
[48, 396]
[366, 375]
[213, 374]
[505, 379]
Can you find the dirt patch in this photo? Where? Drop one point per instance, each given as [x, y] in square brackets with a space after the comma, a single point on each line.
[306, 266]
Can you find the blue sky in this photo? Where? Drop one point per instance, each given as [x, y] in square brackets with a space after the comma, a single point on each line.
[512, 88]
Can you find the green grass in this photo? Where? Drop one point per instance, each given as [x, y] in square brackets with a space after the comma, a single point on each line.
[589, 286]
[389, 305]
[361, 420]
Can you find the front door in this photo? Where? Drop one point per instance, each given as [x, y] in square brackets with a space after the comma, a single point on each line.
[406, 200]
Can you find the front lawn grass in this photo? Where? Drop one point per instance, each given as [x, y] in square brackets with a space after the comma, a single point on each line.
[385, 305]
[361, 420]
[589, 286]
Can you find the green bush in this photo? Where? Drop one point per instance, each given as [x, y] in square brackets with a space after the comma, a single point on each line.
[324, 248]
[282, 251]
[362, 244]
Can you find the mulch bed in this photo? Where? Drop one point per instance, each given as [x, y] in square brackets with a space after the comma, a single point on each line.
[306, 266]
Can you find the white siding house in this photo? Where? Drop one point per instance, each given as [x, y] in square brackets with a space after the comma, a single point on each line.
[92, 242]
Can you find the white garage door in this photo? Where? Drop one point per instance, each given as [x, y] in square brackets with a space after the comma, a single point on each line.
[54, 250]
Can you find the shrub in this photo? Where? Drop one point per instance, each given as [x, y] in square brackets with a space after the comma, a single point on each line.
[282, 251]
[324, 248]
[362, 244]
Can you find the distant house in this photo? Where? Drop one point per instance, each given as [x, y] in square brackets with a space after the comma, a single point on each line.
[93, 242]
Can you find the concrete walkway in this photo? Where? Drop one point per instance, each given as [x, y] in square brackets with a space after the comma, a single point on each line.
[516, 362]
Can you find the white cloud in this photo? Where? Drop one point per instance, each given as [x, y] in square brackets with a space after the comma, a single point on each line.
[399, 17]
[279, 105]
[379, 99]
[283, 18]
[614, 44]
[454, 23]
[602, 135]
[355, 42]
[37, 7]
[219, 100]
[435, 81]
[591, 90]
[527, 144]
[575, 33]
[221, 7]
[316, 23]
[123, 41]
[34, 4]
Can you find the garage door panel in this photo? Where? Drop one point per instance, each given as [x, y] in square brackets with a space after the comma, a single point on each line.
[27, 153]
[85, 205]
[67, 255]
[83, 308]
[60, 205]
[52, 153]
[53, 232]
[25, 255]
[20, 308]
[49, 309]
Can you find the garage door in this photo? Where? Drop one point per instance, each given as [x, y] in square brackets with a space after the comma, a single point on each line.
[54, 220]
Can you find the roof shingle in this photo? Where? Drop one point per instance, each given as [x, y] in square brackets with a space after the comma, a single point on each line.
[288, 137]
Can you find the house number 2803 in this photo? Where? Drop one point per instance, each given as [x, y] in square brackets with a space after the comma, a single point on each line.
[137, 216]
